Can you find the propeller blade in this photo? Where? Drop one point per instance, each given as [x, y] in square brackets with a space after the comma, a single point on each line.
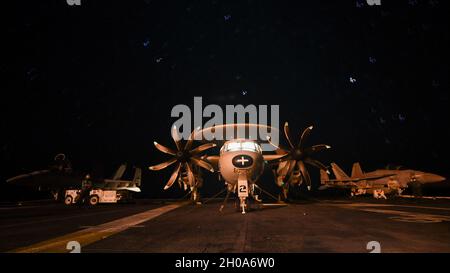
[317, 148]
[268, 138]
[281, 159]
[176, 138]
[163, 165]
[278, 151]
[188, 145]
[180, 183]
[291, 166]
[317, 164]
[287, 134]
[305, 173]
[304, 136]
[202, 164]
[164, 149]
[202, 148]
[173, 177]
[191, 178]
[287, 169]
[283, 171]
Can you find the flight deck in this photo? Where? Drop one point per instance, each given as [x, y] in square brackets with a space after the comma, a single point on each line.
[309, 226]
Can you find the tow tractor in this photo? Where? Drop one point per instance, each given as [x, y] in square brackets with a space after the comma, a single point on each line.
[112, 190]
[97, 196]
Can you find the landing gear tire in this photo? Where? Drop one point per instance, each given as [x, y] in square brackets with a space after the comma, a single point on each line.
[68, 200]
[93, 200]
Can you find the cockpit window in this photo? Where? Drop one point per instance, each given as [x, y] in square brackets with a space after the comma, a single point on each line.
[242, 146]
[233, 146]
[248, 146]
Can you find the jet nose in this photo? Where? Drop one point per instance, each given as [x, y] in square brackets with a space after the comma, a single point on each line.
[432, 178]
[438, 178]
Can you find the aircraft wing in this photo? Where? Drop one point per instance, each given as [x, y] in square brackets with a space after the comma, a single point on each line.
[23, 177]
[365, 178]
[336, 181]
[120, 171]
[213, 160]
[46, 179]
[116, 184]
[133, 189]
[340, 186]
[344, 180]
[373, 177]
[272, 158]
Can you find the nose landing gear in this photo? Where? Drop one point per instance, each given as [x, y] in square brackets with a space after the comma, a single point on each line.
[243, 190]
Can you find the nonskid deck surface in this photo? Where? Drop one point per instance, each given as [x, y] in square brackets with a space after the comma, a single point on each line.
[307, 226]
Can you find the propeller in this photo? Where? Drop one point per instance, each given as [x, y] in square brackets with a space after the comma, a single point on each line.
[184, 158]
[297, 155]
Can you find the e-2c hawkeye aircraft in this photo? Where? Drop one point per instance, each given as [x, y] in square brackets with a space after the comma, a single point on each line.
[376, 182]
[240, 163]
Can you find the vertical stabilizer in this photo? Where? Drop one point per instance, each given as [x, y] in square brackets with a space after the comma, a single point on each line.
[338, 172]
[357, 171]
[137, 177]
[120, 171]
[324, 177]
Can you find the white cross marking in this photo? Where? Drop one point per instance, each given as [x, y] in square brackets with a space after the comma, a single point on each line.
[242, 160]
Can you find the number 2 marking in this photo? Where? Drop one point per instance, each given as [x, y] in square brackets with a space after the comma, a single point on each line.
[374, 246]
[74, 246]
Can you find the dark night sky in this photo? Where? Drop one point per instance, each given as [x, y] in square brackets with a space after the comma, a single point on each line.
[98, 81]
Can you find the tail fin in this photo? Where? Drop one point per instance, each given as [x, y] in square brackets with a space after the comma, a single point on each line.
[120, 171]
[356, 170]
[137, 177]
[338, 172]
[324, 177]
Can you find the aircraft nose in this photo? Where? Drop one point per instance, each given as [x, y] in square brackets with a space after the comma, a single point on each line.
[439, 178]
[433, 178]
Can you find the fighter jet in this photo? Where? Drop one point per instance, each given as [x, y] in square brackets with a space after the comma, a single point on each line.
[240, 163]
[377, 182]
[60, 176]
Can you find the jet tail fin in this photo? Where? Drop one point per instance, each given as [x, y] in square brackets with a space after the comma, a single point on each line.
[338, 172]
[356, 170]
[324, 177]
[137, 177]
[120, 171]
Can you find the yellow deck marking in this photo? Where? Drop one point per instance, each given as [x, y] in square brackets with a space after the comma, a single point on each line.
[425, 197]
[413, 217]
[345, 204]
[403, 216]
[90, 235]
